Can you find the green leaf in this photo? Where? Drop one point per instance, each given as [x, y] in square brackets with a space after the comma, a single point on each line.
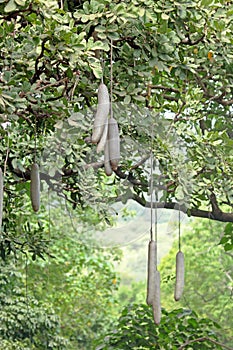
[97, 71]
[20, 2]
[59, 124]
[179, 193]
[99, 45]
[228, 247]
[228, 228]
[138, 98]
[11, 6]
[165, 16]
[224, 240]
[127, 99]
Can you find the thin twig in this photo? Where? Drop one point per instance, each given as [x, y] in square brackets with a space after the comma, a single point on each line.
[165, 88]
[188, 342]
[56, 83]
[141, 162]
[111, 78]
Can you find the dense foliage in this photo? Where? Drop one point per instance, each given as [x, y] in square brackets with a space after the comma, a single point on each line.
[63, 301]
[179, 329]
[26, 323]
[172, 94]
[80, 283]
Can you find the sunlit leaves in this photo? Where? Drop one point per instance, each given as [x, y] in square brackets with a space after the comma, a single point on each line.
[227, 239]
[135, 328]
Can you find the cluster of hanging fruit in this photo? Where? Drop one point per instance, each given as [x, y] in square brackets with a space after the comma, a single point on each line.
[105, 134]
[153, 280]
[105, 131]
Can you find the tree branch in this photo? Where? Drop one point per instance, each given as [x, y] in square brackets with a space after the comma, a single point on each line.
[215, 214]
[165, 88]
[218, 216]
[38, 70]
[171, 98]
[188, 342]
[18, 13]
[188, 41]
[215, 208]
[141, 162]
[219, 99]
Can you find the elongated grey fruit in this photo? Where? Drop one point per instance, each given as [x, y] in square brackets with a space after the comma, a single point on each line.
[179, 287]
[103, 139]
[101, 113]
[151, 271]
[35, 187]
[107, 165]
[114, 143]
[1, 196]
[156, 304]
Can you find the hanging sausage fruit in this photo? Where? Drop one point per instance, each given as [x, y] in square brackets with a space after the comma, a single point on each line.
[105, 130]
[180, 269]
[35, 187]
